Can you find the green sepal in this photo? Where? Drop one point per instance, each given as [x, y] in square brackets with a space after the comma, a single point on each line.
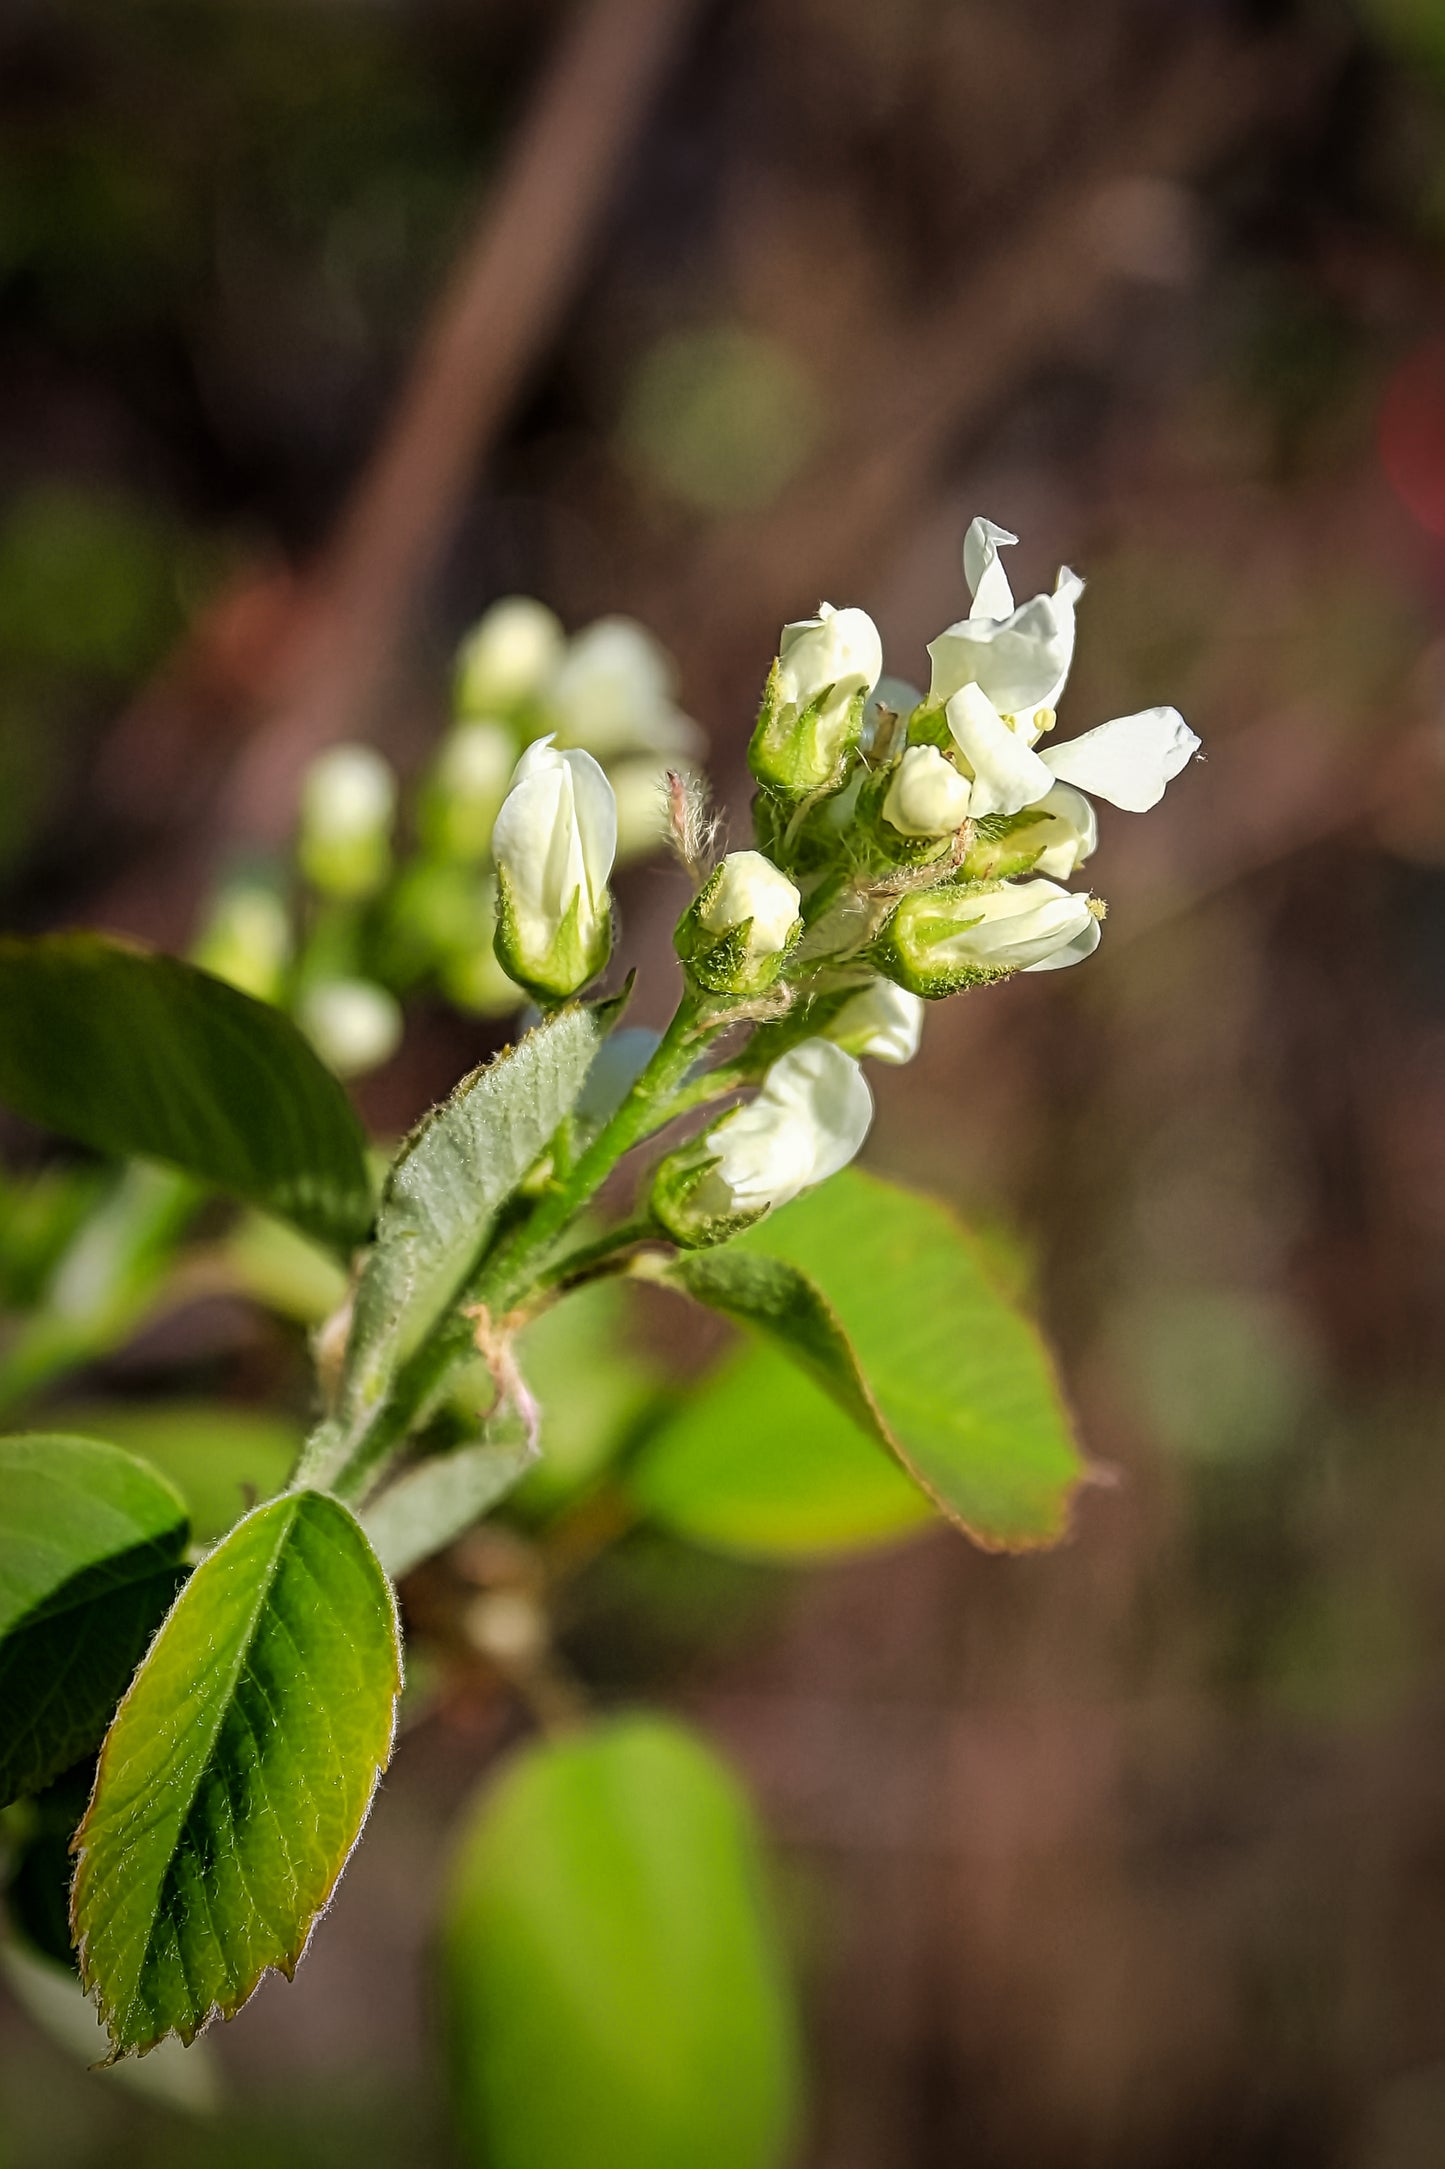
[921, 922]
[1000, 847]
[678, 1207]
[721, 963]
[568, 965]
[928, 726]
[796, 752]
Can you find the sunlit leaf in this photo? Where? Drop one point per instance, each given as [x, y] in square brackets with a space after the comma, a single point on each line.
[235, 1778]
[615, 1998]
[90, 1557]
[140, 1054]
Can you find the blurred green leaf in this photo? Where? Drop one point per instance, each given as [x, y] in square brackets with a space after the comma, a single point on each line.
[615, 1997]
[593, 1387]
[223, 1460]
[721, 417]
[90, 1549]
[53, 1999]
[437, 1500]
[758, 1461]
[236, 1776]
[134, 1053]
[37, 1892]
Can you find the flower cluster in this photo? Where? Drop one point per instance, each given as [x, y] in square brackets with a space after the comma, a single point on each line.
[908, 846]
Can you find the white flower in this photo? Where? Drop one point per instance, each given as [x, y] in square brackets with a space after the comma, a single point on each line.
[554, 844]
[613, 693]
[507, 657]
[1020, 658]
[1007, 774]
[806, 1123]
[927, 796]
[881, 1022]
[353, 1024]
[837, 648]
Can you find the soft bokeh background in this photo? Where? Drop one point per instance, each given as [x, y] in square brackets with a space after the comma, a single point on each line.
[322, 323]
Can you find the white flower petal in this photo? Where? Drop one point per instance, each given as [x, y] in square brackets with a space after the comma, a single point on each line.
[1008, 774]
[1084, 943]
[880, 1023]
[1072, 833]
[1020, 924]
[1128, 761]
[1021, 660]
[927, 796]
[987, 580]
[751, 887]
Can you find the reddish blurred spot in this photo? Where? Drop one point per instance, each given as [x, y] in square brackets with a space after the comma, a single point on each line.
[1412, 434]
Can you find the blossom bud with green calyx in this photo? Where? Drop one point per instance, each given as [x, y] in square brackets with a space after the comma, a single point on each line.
[941, 941]
[808, 1120]
[507, 659]
[914, 810]
[741, 927]
[814, 702]
[247, 941]
[613, 695]
[353, 1024]
[348, 805]
[554, 844]
[465, 790]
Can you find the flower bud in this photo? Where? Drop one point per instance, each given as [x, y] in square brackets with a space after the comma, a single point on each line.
[809, 1119]
[554, 843]
[927, 796]
[353, 1024]
[613, 693]
[348, 804]
[881, 1023]
[942, 940]
[248, 939]
[465, 791]
[739, 929]
[507, 658]
[812, 712]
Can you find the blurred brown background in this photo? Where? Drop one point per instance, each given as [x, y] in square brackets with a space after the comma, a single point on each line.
[322, 323]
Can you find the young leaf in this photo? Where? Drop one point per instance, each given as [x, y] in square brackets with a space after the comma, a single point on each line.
[90, 1557]
[442, 1198]
[756, 1460]
[143, 1055]
[237, 1773]
[963, 1388]
[433, 1503]
[615, 1995]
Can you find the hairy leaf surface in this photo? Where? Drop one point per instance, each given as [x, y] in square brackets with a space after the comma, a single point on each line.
[135, 1053]
[237, 1773]
[90, 1557]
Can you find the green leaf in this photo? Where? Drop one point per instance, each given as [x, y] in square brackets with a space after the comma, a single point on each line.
[757, 1461]
[434, 1502]
[963, 1387]
[222, 1460]
[442, 1198]
[134, 1053]
[238, 1771]
[90, 1556]
[615, 1994]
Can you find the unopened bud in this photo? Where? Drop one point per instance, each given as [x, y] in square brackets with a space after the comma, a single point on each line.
[940, 941]
[353, 1024]
[812, 712]
[248, 940]
[737, 932]
[507, 658]
[613, 694]
[465, 790]
[348, 804]
[927, 796]
[554, 844]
